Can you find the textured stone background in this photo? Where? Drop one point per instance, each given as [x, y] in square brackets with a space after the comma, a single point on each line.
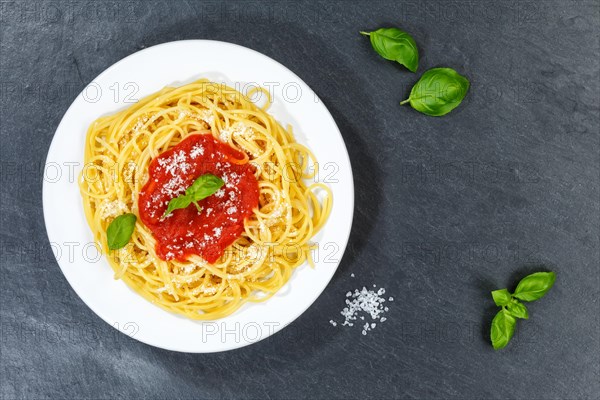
[446, 209]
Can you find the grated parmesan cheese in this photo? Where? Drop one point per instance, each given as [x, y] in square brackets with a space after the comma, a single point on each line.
[139, 124]
[237, 130]
[205, 115]
[188, 269]
[112, 208]
[174, 187]
[231, 210]
[197, 150]
[174, 163]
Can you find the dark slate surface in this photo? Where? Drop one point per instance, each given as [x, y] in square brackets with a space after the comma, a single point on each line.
[446, 209]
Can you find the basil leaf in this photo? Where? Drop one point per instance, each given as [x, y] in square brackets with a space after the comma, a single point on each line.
[204, 186]
[195, 203]
[439, 91]
[518, 310]
[534, 286]
[120, 230]
[395, 45]
[178, 202]
[501, 297]
[503, 328]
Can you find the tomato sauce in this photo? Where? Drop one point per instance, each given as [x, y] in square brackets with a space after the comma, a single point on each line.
[221, 220]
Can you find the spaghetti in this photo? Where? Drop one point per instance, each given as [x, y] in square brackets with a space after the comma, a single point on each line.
[275, 238]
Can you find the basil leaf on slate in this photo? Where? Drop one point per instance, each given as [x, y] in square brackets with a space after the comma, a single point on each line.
[439, 91]
[534, 286]
[503, 329]
[501, 297]
[517, 309]
[395, 45]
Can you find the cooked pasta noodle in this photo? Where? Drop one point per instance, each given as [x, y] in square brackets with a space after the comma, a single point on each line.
[276, 238]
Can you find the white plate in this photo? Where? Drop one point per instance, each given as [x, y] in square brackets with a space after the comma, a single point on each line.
[146, 72]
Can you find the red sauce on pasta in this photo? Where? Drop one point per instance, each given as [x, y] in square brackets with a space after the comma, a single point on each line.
[221, 221]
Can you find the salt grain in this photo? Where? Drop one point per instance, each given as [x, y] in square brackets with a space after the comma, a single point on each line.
[363, 303]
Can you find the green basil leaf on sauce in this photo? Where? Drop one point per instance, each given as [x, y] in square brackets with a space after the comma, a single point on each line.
[178, 202]
[120, 230]
[206, 185]
[534, 286]
[503, 328]
[439, 91]
[395, 45]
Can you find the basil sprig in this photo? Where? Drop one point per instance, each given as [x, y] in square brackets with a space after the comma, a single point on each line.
[204, 186]
[530, 288]
[120, 230]
[395, 45]
[439, 91]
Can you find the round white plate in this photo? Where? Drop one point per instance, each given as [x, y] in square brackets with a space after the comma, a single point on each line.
[131, 79]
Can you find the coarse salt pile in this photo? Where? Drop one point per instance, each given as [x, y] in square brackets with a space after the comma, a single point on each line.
[365, 301]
